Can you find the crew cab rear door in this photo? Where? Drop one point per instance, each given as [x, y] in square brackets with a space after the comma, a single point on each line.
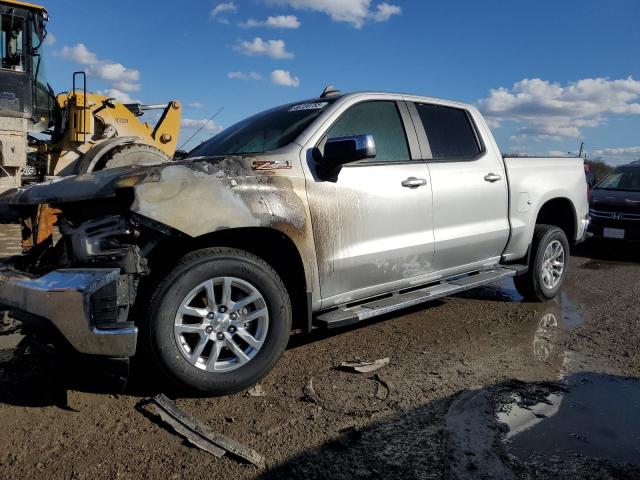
[372, 227]
[470, 190]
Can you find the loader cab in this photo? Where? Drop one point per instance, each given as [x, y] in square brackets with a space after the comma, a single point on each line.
[24, 91]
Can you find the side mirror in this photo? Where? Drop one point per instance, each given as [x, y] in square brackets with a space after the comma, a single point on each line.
[339, 151]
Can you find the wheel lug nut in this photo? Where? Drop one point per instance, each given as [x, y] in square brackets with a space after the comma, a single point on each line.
[232, 329]
[222, 309]
[209, 329]
[210, 316]
[220, 336]
[233, 316]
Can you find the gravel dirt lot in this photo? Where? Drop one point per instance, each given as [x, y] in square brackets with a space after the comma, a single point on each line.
[458, 370]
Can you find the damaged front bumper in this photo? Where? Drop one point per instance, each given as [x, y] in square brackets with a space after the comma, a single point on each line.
[84, 305]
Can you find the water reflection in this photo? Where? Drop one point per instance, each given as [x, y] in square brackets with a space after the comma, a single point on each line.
[592, 415]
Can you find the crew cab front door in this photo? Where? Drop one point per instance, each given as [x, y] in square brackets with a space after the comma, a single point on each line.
[373, 227]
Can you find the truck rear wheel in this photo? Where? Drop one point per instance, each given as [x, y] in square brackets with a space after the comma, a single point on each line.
[548, 264]
[219, 321]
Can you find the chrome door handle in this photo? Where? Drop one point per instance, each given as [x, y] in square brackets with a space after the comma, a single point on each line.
[413, 182]
[492, 177]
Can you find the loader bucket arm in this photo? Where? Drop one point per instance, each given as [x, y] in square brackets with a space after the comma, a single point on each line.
[167, 129]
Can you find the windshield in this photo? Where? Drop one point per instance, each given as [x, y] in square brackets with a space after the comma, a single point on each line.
[627, 179]
[263, 132]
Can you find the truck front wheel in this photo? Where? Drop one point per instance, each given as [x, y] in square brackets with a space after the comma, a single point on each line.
[220, 320]
[548, 264]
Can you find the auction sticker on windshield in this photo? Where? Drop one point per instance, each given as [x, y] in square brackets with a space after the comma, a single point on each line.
[309, 106]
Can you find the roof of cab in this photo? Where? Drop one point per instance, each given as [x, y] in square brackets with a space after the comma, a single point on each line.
[18, 3]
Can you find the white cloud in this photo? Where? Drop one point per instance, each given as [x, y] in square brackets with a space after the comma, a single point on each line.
[221, 8]
[195, 105]
[618, 152]
[284, 78]
[549, 110]
[355, 12]
[558, 153]
[270, 48]
[50, 39]
[119, 77]
[279, 21]
[244, 76]
[119, 95]
[194, 124]
[125, 78]
[384, 12]
[79, 54]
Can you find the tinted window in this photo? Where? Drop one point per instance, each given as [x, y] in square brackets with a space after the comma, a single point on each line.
[450, 133]
[265, 131]
[380, 119]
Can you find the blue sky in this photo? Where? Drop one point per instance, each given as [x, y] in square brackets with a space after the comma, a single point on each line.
[548, 74]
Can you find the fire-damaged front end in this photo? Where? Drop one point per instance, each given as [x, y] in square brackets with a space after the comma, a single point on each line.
[90, 241]
[81, 264]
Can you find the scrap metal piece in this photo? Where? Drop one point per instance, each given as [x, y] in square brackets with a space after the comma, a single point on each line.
[201, 436]
[363, 366]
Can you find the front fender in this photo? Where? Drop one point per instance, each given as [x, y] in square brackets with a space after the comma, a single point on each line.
[199, 198]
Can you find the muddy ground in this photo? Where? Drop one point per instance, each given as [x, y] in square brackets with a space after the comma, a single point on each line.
[481, 384]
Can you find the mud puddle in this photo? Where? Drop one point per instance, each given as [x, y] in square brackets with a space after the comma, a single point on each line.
[566, 311]
[604, 265]
[590, 415]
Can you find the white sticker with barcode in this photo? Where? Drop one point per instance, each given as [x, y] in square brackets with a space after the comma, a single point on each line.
[309, 106]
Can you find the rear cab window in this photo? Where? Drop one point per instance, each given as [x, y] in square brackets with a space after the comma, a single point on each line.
[450, 131]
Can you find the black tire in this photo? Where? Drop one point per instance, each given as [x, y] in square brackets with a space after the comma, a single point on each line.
[133, 154]
[531, 285]
[193, 269]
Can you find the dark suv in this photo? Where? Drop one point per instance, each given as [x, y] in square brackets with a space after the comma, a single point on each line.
[615, 204]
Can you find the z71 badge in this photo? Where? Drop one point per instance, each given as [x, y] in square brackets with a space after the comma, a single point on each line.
[270, 165]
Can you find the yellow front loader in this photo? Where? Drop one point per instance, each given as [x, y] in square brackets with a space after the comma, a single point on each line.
[86, 131]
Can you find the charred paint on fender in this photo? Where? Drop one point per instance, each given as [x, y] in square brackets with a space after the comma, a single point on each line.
[195, 197]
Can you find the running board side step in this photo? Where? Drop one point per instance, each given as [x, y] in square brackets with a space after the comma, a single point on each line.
[345, 316]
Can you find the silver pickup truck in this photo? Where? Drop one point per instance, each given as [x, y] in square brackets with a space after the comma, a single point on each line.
[317, 214]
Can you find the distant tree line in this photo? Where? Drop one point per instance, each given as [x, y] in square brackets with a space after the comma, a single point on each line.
[599, 168]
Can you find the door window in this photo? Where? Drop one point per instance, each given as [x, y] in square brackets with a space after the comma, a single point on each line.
[12, 42]
[450, 132]
[380, 119]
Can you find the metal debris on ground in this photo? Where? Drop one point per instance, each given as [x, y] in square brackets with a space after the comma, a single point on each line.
[256, 391]
[200, 435]
[384, 402]
[383, 387]
[363, 366]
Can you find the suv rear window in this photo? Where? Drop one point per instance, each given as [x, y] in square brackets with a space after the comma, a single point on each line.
[450, 132]
[624, 179]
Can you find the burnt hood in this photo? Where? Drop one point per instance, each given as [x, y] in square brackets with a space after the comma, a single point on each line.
[104, 183]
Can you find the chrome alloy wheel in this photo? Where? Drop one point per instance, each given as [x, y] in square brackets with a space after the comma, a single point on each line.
[221, 324]
[553, 264]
